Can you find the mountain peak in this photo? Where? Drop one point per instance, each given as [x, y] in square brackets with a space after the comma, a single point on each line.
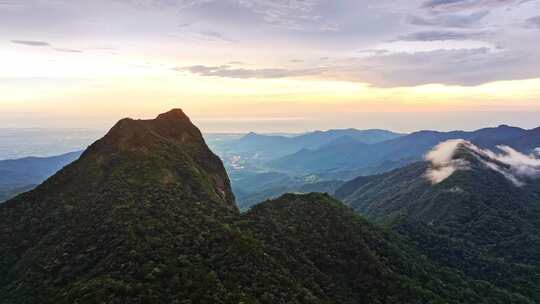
[132, 134]
[174, 114]
[167, 152]
[252, 134]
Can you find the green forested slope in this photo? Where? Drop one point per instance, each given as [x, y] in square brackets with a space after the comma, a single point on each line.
[146, 215]
[476, 220]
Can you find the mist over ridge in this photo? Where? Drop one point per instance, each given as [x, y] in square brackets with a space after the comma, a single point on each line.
[446, 158]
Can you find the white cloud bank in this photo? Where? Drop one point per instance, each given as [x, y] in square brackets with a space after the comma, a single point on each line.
[442, 164]
[513, 165]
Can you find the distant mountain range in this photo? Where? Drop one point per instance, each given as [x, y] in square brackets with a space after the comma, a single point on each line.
[147, 215]
[19, 175]
[346, 155]
[273, 146]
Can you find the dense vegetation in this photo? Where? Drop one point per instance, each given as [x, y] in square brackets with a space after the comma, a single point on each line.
[107, 225]
[147, 215]
[354, 261]
[476, 221]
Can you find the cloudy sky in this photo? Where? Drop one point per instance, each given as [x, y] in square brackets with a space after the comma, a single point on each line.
[271, 65]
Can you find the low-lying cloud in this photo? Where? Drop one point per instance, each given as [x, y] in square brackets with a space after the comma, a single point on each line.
[513, 165]
[442, 162]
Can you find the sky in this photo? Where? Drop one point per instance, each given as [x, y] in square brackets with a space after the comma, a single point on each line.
[271, 65]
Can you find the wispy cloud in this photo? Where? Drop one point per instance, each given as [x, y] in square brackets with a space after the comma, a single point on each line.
[38, 43]
[214, 35]
[385, 69]
[31, 42]
[534, 22]
[466, 67]
[513, 165]
[458, 5]
[453, 42]
[289, 13]
[440, 36]
[285, 13]
[11, 5]
[449, 20]
[242, 73]
[68, 50]
[374, 51]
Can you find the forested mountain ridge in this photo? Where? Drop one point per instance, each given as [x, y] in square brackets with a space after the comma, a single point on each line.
[147, 215]
[104, 222]
[478, 211]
